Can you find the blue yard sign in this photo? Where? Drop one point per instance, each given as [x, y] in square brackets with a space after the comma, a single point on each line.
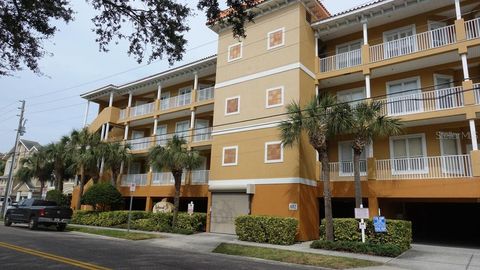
[380, 224]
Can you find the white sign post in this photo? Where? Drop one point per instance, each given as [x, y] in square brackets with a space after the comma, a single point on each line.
[190, 208]
[133, 186]
[362, 213]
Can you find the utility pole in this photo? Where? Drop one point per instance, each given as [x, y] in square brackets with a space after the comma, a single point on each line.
[20, 131]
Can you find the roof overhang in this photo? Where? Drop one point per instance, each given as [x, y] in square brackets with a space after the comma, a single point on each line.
[203, 67]
[376, 13]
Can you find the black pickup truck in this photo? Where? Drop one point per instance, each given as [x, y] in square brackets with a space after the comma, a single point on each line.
[38, 212]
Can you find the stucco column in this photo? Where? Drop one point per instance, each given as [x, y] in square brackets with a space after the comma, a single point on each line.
[86, 114]
[110, 102]
[458, 11]
[473, 134]
[373, 206]
[148, 205]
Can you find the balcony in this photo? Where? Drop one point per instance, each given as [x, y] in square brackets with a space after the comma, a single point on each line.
[165, 179]
[476, 91]
[203, 134]
[175, 102]
[205, 94]
[439, 167]
[343, 171]
[427, 101]
[340, 61]
[416, 43]
[163, 139]
[138, 179]
[472, 28]
[142, 109]
[200, 177]
[123, 114]
[139, 144]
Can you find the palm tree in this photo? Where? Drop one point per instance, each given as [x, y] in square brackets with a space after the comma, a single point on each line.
[85, 149]
[35, 166]
[60, 156]
[366, 122]
[320, 119]
[115, 155]
[176, 158]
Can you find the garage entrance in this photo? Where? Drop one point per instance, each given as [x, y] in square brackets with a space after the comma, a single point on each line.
[445, 223]
[225, 208]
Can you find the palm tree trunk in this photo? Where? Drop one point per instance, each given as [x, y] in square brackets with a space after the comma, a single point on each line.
[356, 177]
[80, 187]
[176, 200]
[327, 195]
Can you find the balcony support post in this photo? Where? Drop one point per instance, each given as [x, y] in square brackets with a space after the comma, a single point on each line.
[148, 205]
[371, 168]
[107, 127]
[466, 75]
[125, 135]
[192, 125]
[368, 90]
[195, 88]
[86, 114]
[130, 97]
[365, 31]
[458, 10]
[155, 125]
[373, 206]
[110, 100]
[473, 134]
[159, 96]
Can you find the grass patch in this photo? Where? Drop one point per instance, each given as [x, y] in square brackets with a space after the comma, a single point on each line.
[293, 256]
[114, 233]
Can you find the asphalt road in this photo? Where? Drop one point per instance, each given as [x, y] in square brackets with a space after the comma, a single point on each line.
[21, 248]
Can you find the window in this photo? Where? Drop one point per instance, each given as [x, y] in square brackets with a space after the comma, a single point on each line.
[408, 154]
[404, 96]
[230, 156]
[345, 157]
[450, 149]
[349, 54]
[232, 105]
[274, 97]
[399, 41]
[352, 96]
[276, 38]
[273, 152]
[234, 52]
[165, 101]
[184, 96]
[161, 135]
[182, 128]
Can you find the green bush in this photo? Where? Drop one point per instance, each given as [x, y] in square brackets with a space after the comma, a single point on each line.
[266, 229]
[141, 220]
[399, 232]
[102, 195]
[58, 197]
[387, 250]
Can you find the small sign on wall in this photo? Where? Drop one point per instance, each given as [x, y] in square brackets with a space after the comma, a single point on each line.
[293, 206]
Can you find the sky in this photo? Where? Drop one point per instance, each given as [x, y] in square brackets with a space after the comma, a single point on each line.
[53, 103]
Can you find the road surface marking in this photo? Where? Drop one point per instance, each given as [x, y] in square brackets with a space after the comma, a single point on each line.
[80, 264]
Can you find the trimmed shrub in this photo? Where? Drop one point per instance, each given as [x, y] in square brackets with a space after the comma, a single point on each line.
[266, 229]
[141, 220]
[102, 195]
[386, 250]
[399, 232]
[58, 197]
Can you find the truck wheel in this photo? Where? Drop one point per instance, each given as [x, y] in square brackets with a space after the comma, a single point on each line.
[61, 227]
[32, 224]
[7, 221]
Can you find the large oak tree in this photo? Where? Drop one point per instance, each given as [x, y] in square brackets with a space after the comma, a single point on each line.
[154, 29]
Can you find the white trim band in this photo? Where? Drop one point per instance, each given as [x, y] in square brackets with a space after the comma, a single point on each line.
[225, 185]
[266, 73]
[246, 128]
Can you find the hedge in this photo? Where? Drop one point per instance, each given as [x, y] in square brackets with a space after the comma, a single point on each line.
[387, 250]
[266, 229]
[399, 232]
[142, 220]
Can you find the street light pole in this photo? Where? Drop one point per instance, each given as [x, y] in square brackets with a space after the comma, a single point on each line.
[20, 131]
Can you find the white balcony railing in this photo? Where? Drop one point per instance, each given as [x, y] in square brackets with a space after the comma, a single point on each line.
[455, 166]
[177, 101]
[203, 134]
[123, 113]
[343, 170]
[472, 28]
[428, 101]
[138, 179]
[200, 177]
[420, 42]
[165, 178]
[341, 61]
[142, 109]
[476, 90]
[163, 139]
[139, 144]
[205, 94]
